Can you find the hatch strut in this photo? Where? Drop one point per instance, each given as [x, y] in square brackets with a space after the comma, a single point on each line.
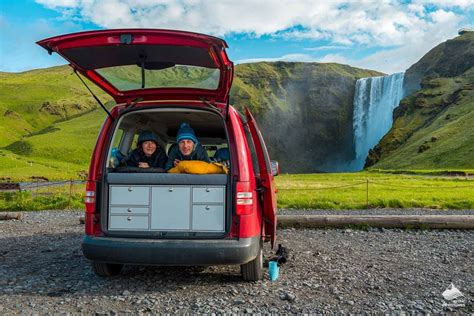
[227, 108]
[142, 66]
[95, 97]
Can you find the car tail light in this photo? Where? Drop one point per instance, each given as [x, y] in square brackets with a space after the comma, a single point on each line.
[90, 196]
[244, 198]
[92, 219]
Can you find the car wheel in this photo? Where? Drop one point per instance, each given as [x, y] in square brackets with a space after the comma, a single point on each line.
[253, 270]
[106, 269]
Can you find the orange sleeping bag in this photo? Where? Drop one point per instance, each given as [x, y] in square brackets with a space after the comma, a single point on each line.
[198, 167]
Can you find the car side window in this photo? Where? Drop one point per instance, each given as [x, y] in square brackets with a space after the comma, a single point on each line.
[253, 152]
[117, 138]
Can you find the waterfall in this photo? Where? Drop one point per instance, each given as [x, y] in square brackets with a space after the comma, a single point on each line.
[375, 99]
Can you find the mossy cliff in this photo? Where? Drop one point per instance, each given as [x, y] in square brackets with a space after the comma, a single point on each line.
[432, 127]
[304, 111]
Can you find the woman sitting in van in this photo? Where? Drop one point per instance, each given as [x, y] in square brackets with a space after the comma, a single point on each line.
[188, 148]
[148, 153]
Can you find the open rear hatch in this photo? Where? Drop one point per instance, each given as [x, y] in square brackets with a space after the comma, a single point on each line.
[148, 64]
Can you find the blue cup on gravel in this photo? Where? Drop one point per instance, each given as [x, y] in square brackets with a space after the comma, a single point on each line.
[273, 270]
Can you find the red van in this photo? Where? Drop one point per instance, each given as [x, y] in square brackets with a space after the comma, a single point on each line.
[160, 78]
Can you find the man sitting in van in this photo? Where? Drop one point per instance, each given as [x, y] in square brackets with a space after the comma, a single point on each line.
[188, 148]
[148, 153]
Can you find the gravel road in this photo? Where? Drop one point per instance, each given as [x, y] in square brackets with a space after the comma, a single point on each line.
[42, 270]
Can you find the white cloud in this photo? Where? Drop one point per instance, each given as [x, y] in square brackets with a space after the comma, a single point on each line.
[463, 4]
[403, 56]
[383, 23]
[288, 57]
[327, 47]
[404, 32]
[335, 58]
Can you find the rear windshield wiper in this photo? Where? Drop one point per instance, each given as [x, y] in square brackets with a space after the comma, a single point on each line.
[95, 97]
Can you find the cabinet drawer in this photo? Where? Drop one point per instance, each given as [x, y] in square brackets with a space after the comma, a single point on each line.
[130, 210]
[129, 195]
[208, 218]
[170, 208]
[128, 222]
[208, 195]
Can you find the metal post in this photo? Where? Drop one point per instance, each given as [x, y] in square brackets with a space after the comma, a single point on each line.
[367, 194]
[70, 194]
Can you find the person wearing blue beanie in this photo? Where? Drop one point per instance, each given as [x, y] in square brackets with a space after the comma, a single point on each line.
[187, 147]
[186, 132]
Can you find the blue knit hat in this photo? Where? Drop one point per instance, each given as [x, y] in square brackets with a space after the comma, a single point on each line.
[186, 132]
[146, 136]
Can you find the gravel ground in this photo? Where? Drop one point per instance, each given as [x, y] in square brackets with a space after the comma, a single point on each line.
[42, 271]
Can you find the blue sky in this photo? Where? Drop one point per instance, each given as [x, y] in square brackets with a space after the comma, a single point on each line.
[388, 36]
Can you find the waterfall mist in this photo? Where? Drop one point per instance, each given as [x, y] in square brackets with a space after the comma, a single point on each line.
[375, 99]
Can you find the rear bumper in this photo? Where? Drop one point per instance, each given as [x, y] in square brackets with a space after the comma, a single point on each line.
[170, 252]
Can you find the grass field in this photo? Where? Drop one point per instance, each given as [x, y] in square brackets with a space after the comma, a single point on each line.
[385, 190]
[306, 191]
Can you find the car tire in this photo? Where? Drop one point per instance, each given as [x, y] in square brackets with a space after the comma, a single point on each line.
[253, 270]
[106, 269]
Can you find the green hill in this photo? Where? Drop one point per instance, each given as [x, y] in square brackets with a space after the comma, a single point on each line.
[433, 126]
[61, 151]
[31, 101]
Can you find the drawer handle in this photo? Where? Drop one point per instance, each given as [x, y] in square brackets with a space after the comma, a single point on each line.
[130, 189]
[208, 190]
[129, 218]
[170, 189]
[129, 209]
[208, 207]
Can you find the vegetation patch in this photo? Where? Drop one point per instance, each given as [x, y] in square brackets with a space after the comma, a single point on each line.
[374, 190]
[26, 201]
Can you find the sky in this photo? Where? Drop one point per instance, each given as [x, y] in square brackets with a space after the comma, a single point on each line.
[384, 35]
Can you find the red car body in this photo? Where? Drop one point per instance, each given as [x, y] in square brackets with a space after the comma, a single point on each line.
[250, 210]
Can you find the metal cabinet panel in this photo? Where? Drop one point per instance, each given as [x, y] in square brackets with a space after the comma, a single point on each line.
[129, 195]
[128, 222]
[208, 218]
[208, 195]
[170, 208]
[129, 210]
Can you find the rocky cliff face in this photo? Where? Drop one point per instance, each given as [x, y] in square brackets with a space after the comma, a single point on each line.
[432, 125]
[304, 111]
[449, 59]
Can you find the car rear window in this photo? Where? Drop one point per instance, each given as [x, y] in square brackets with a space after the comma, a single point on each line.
[178, 76]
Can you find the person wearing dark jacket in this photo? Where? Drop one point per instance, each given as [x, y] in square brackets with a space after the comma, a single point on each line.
[148, 153]
[187, 147]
